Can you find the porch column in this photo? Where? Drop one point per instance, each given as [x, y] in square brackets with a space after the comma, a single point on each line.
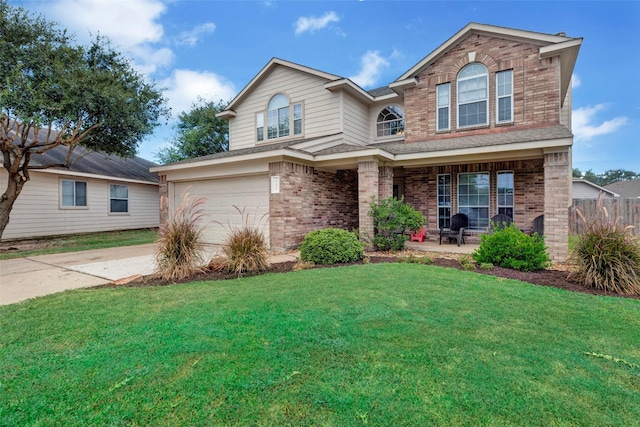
[557, 199]
[385, 186]
[368, 177]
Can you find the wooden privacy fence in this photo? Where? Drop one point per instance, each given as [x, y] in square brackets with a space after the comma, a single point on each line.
[627, 210]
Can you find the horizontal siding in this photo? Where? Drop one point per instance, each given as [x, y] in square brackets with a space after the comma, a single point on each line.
[356, 121]
[36, 212]
[321, 114]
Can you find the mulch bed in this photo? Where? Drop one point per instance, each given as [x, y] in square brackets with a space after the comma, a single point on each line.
[556, 277]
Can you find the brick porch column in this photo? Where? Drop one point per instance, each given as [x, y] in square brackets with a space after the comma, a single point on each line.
[368, 177]
[385, 183]
[557, 198]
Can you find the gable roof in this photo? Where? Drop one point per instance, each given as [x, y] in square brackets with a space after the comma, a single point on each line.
[88, 162]
[550, 45]
[627, 189]
[595, 186]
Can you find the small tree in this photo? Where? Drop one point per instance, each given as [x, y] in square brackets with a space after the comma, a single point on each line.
[198, 133]
[392, 218]
[54, 93]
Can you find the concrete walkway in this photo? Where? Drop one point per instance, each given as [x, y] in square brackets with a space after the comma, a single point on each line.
[35, 276]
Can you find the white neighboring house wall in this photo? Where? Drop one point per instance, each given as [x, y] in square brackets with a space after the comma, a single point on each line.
[38, 211]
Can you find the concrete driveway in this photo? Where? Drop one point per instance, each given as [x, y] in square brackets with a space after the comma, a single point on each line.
[24, 278]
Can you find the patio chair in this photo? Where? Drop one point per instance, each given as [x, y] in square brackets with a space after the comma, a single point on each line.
[456, 228]
[418, 236]
[538, 225]
[500, 221]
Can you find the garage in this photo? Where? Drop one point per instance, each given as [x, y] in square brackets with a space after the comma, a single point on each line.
[247, 192]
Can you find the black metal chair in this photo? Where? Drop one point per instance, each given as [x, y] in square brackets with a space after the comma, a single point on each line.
[538, 225]
[500, 221]
[456, 228]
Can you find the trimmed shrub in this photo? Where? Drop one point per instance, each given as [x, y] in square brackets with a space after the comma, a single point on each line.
[392, 219]
[511, 248]
[331, 246]
[412, 259]
[466, 261]
[607, 254]
[180, 244]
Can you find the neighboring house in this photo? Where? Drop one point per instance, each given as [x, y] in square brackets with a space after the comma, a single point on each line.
[627, 189]
[583, 189]
[99, 192]
[481, 125]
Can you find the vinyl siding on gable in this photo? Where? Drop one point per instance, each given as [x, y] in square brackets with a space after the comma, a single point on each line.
[37, 211]
[356, 121]
[321, 113]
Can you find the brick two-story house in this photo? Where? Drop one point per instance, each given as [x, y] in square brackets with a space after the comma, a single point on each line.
[481, 125]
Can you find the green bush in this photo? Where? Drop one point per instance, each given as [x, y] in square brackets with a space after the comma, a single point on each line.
[180, 244]
[511, 248]
[392, 219]
[331, 246]
[607, 255]
[466, 261]
[412, 259]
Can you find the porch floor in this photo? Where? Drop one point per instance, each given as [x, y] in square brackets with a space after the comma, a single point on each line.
[433, 246]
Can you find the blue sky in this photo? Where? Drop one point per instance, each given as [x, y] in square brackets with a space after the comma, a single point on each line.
[212, 49]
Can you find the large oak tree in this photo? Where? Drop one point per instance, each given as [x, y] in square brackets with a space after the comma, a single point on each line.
[54, 92]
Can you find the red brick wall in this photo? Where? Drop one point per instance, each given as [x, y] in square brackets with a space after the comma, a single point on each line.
[536, 88]
[310, 199]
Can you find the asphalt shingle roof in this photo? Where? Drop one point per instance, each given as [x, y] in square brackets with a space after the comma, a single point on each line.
[626, 189]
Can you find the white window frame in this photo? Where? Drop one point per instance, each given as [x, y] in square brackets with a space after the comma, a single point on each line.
[464, 208]
[278, 115]
[504, 95]
[75, 195]
[390, 127]
[499, 196]
[484, 75]
[444, 219]
[443, 105]
[112, 198]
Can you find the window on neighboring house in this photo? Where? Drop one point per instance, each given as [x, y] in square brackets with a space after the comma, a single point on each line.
[473, 199]
[473, 86]
[74, 193]
[505, 193]
[504, 96]
[279, 118]
[390, 121]
[444, 200]
[443, 101]
[118, 198]
[260, 126]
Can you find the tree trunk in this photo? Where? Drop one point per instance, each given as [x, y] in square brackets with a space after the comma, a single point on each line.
[15, 182]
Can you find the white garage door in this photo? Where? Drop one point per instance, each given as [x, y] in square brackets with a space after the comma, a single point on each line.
[248, 192]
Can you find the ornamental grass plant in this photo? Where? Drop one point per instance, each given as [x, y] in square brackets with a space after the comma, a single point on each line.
[180, 243]
[245, 249]
[606, 254]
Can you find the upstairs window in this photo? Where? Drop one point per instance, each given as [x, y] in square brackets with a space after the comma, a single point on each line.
[473, 87]
[280, 121]
[390, 121]
[443, 101]
[504, 96]
[74, 193]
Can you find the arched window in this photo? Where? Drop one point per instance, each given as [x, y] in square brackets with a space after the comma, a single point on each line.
[473, 91]
[390, 121]
[279, 120]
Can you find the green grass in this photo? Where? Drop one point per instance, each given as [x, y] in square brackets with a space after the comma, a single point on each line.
[83, 242]
[377, 344]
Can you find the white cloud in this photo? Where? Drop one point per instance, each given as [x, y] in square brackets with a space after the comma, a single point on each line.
[313, 24]
[185, 86]
[190, 38]
[585, 127]
[575, 81]
[372, 66]
[132, 26]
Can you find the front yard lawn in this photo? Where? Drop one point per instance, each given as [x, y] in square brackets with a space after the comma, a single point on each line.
[377, 344]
